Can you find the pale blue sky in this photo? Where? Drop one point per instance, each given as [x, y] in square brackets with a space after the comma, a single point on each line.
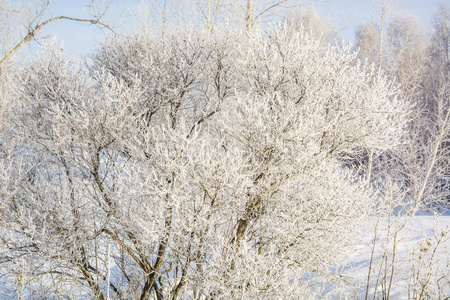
[350, 13]
[81, 38]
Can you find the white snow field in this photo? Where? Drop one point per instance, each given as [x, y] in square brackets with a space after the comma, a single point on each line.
[410, 260]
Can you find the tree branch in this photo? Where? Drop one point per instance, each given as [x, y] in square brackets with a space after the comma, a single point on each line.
[39, 27]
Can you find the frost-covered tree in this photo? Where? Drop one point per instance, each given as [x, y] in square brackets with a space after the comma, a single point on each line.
[401, 50]
[441, 37]
[209, 165]
[322, 29]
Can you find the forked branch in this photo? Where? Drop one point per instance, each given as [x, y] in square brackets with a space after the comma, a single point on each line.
[32, 33]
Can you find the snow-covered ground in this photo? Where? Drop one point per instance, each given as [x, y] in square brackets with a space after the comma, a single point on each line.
[414, 252]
